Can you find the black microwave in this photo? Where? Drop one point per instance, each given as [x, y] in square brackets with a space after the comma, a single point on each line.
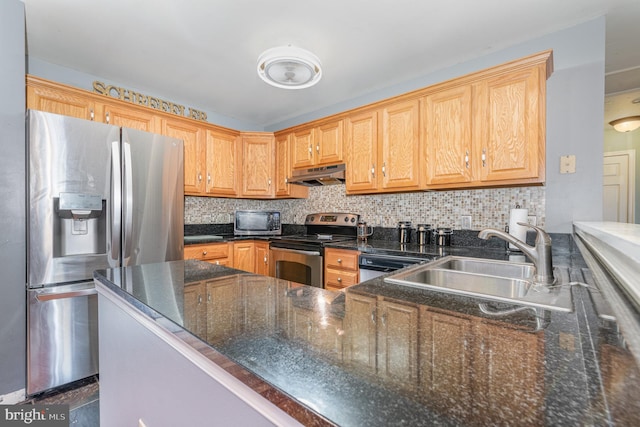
[257, 223]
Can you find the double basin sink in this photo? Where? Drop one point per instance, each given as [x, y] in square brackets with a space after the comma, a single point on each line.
[502, 281]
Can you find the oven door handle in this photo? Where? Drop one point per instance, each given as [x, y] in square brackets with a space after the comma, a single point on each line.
[297, 251]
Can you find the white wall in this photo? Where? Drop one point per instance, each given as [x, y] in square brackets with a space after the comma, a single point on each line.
[12, 196]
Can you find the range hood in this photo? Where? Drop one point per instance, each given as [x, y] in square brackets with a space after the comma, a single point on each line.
[325, 175]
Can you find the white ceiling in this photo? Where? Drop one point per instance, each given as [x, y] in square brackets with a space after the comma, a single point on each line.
[205, 51]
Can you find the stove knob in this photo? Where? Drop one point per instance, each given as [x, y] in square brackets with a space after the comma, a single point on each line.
[353, 219]
[346, 219]
[311, 218]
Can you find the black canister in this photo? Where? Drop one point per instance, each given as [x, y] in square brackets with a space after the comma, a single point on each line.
[404, 231]
[443, 236]
[424, 234]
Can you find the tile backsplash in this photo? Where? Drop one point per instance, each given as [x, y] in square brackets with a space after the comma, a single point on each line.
[487, 207]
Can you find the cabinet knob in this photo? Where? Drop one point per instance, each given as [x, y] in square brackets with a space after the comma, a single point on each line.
[217, 262]
[318, 148]
[373, 171]
[91, 114]
[108, 118]
[484, 157]
[339, 279]
[199, 176]
[466, 159]
[208, 177]
[265, 259]
[204, 252]
[384, 166]
[339, 260]
[310, 150]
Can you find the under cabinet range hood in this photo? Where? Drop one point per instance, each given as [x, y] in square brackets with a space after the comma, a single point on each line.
[325, 175]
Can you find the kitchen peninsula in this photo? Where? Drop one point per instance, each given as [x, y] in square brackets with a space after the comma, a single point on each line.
[192, 343]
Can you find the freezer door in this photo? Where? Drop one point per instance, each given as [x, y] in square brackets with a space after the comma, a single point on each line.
[70, 211]
[62, 335]
[153, 198]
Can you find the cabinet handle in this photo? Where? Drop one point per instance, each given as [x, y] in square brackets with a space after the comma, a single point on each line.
[339, 279]
[208, 177]
[310, 150]
[384, 166]
[204, 252]
[91, 114]
[208, 296]
[217, 262]
[265, 260]
[199, 177]
[269, 182]
[108, 118]
[373, 316]
[199, 299]
[466, 158]
[373, 171]
[286, 180]
[383, 319]
[318, 148]
[484, 157]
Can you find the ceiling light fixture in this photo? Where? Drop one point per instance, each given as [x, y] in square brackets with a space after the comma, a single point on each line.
[289, 67]
[626, 124]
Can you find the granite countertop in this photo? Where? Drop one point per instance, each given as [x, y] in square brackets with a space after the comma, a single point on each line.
[381, 354]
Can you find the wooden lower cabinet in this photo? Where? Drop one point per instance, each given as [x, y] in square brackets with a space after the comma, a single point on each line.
[195, 300]
[244, 256]
[214, 253]
[223, 315]
[262, 258]
[324, 334]
[340, 268]
[259, 311]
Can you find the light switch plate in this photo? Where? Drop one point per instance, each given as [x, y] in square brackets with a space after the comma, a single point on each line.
[466, 222]
[568, 164]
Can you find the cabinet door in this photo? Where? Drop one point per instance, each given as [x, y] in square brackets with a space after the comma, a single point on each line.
[60, 101]
[445, 359]
[194, 152]
[362, 152]
[283, 170]
[398, 343]
[510, 126]
[129, 117]
[328, 147]
[244, 256]
[509, 375]
[400, 146]
[447, 130]
[260, 306]
[262, 258]
[360, 333]
[257, 165]
[221, 163]
[303, 149]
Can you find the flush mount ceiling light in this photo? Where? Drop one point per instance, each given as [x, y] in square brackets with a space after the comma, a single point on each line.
[289, 67]
[626, 124]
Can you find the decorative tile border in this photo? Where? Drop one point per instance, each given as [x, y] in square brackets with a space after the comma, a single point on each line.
[487, 207]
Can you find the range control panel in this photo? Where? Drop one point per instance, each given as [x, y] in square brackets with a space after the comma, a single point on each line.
[342, 219]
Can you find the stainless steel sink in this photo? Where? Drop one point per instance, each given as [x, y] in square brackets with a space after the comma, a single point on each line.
[494, 280]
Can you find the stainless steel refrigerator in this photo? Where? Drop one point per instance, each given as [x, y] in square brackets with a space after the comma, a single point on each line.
[99, 196]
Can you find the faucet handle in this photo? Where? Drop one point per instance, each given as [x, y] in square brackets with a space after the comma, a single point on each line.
[541, 237]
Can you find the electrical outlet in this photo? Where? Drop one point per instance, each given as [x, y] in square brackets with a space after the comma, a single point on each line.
[466, 222]
[532, 220]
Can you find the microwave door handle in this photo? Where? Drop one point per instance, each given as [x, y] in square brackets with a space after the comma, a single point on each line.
[116, 205]
[127, 204]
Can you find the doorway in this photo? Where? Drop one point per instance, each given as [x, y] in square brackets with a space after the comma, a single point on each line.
[619, 186]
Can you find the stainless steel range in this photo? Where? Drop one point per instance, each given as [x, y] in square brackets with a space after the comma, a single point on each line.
[299, 258]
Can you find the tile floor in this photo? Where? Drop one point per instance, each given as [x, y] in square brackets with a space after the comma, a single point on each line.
[83, 398]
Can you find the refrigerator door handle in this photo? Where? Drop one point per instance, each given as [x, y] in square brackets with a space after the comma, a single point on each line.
[128, 204]
[62, 295]
[116, 205]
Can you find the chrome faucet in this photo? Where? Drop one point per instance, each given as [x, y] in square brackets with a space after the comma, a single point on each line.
[540, 254]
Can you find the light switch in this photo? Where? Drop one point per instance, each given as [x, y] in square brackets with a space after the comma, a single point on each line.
[568, 164]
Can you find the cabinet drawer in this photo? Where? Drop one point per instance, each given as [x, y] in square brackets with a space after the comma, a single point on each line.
[207, 251]
[338, 279]
[341, 259]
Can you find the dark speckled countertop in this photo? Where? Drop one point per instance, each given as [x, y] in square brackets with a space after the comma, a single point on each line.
[382, 354]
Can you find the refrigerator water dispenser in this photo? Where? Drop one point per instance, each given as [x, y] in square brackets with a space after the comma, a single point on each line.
[81, 224]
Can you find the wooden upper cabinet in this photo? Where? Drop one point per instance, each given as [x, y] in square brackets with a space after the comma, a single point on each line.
[361, 152]
[317, 146]
[128, 117]
[222, 163]
[283, 170]
[400, 146]
[194, 152]
[58, 99]
[509, 126]
[446, 118]
[258, 164]
[383, 149]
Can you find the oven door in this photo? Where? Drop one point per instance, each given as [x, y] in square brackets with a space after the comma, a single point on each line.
[297, 266]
